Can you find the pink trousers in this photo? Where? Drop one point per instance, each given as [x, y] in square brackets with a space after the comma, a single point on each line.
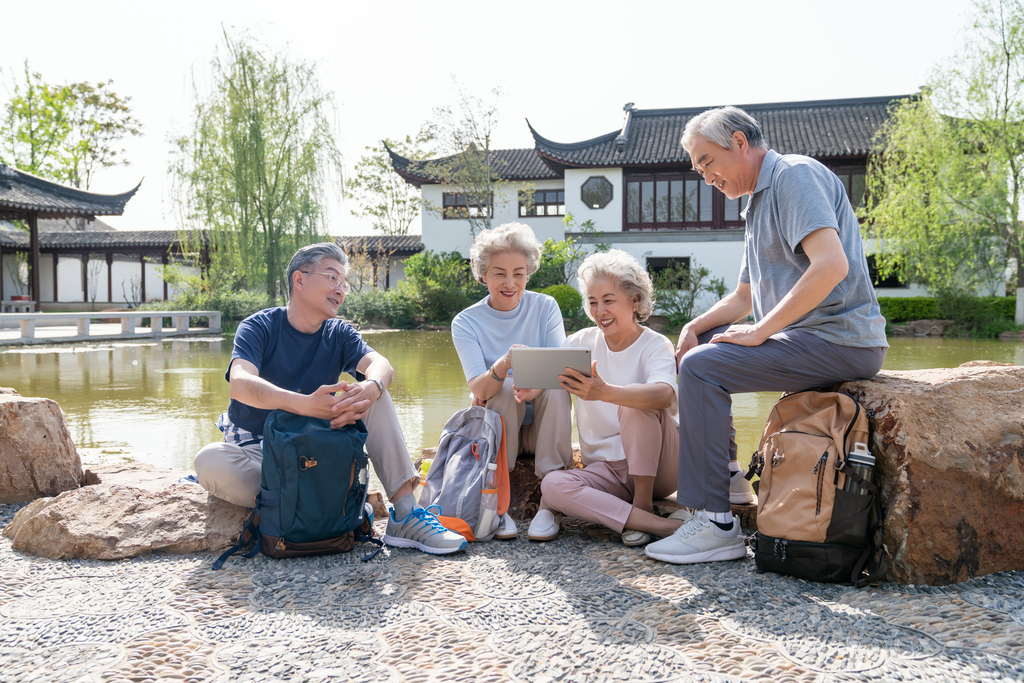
[603, 491]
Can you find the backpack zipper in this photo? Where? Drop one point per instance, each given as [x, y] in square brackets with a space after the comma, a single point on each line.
[819, 470]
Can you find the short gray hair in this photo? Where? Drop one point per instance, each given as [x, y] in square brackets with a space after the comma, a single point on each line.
[718, 125]
[625, 271]
[507, 237]
[312, 255]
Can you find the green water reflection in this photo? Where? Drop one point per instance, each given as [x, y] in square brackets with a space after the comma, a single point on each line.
[159, 400]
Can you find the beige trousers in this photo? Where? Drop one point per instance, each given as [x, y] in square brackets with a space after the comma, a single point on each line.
[232, 472]
[603, 491]
[548, 437]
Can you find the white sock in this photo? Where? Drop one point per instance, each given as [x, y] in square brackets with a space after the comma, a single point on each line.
[734, 466]
[720, 517]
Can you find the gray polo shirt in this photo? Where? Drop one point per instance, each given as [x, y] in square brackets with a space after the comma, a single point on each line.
[796, 195]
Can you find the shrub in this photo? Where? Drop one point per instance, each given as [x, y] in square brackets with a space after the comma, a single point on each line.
[390, 308]
[569, 300]
[974, 316]
[904, 309]
[678, 288]
[234, 306]
[439, 285]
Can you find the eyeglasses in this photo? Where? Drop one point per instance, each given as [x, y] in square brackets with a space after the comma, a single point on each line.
[332, 278]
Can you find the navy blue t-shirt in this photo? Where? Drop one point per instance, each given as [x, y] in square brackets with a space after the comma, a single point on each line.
[290, 359]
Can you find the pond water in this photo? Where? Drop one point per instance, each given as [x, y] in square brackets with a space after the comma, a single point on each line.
[157, 401]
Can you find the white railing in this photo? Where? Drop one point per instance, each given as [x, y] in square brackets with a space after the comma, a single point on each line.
[129, 320]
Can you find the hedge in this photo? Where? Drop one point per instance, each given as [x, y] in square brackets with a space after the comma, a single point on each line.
[904, 309]
[569, 300]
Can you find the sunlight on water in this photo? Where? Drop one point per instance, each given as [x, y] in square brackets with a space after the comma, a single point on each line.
[157, 402]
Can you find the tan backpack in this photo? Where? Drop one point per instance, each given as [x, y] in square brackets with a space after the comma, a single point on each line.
[807, 524]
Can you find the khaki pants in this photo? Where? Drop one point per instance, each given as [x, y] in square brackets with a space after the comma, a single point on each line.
[603, 491]
[232, 472]
[548, 437]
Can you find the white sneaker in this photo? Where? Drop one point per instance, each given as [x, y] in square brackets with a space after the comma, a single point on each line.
[545, 526]
[683, 514]
[632, 538]
[740, 490]
[699, 540]
[422, 531]
[507, 529]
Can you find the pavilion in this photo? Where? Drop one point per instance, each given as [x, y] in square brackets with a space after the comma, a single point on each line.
[26, 197]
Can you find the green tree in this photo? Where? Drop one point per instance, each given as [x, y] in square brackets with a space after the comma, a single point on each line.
[958, 153]
[936, 204]
[384, 197]
[65, 133]
[98, 122]
[257, 164]
[678, 288]
[463, 133]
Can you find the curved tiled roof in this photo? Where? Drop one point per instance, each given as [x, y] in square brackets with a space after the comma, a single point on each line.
[22, 193]
[148, 240]
[820, 129]
[398, 244]
[508, 164]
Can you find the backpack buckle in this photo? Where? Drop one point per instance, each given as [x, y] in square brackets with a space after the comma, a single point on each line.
[306, 463]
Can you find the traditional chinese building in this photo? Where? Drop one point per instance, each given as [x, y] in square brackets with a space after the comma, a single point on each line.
[637, 185]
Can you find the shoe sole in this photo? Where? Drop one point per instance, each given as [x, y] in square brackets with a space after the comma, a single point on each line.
[732, 552]
[507, 537]
[396, 542]
[747, 498]
[549, 537]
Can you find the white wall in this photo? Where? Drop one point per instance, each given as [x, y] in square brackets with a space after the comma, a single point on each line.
[455, 235]
[608, 219]
[69, 279]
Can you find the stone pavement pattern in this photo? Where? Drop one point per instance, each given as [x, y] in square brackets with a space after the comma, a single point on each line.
[581, 608]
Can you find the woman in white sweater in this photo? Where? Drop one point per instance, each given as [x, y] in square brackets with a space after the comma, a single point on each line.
[625, 411]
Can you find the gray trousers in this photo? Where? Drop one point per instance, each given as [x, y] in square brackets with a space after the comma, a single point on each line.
[791, 360]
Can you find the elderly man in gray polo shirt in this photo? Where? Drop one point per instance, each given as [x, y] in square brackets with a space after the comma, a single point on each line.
[816, 319]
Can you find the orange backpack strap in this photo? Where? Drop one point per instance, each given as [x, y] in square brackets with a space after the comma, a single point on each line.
[503, 481]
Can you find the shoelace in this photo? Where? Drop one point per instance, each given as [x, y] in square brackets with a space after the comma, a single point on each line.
[429, 518]
[690, 526]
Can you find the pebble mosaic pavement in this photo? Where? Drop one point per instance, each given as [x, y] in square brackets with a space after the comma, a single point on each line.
[580, 608]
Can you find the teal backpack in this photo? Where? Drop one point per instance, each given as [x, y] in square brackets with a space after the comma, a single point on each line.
[312, 498]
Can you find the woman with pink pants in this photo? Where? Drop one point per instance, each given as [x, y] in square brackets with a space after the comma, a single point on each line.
[625, 411]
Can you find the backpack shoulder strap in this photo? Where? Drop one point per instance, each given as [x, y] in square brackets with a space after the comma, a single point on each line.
[250, 528]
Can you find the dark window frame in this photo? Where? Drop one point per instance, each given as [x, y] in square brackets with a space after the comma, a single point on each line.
[559, 205]
[718, 200]
[450, 212]
[845, 173]
[658, 264]
[891, 282]
[611, 192]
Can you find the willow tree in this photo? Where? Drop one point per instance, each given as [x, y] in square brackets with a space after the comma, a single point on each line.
[948, 184]
[937, 203]
[257, 164]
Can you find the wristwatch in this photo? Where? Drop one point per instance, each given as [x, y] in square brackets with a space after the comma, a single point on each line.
[494, 375]
[380, 385]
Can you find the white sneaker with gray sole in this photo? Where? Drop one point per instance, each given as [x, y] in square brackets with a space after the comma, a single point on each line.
[699, 540]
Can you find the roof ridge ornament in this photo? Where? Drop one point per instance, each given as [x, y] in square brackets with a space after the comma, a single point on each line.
[623, 136]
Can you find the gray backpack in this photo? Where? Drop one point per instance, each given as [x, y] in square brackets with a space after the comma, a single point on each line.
[468, 479]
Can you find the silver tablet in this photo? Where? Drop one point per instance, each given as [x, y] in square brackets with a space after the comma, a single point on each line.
[540, 368]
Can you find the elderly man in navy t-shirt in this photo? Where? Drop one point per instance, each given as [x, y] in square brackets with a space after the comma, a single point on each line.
[290, 359]
[816, 319]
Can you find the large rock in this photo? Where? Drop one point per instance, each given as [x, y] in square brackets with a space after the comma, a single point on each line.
[37, 456]
[114, 521]
[950, 462]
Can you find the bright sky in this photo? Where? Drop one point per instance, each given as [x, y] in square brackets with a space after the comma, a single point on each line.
[567, 66]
